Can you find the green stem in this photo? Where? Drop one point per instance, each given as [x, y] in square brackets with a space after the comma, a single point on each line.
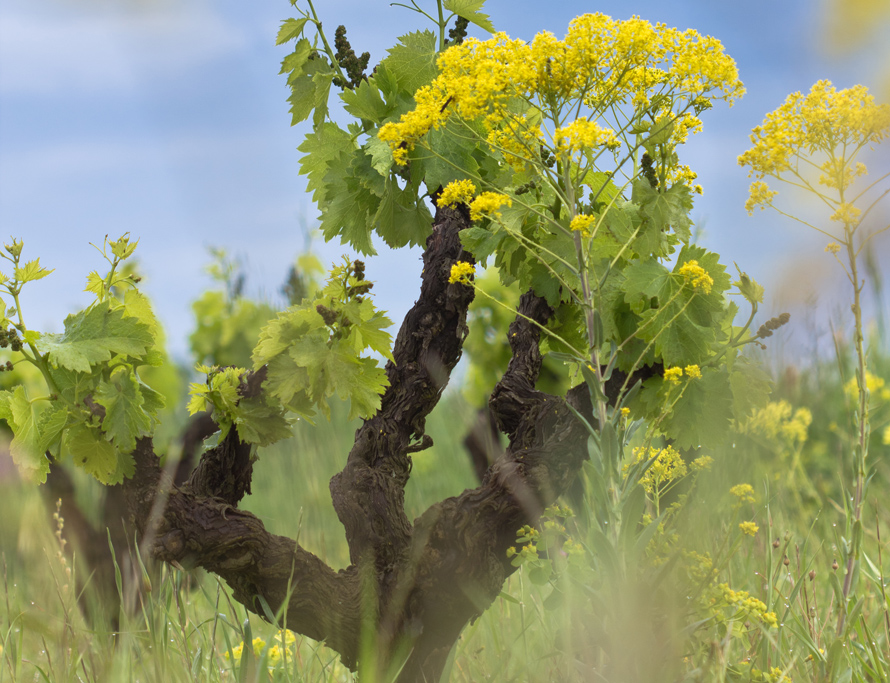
[861, 449]
[327, 47]
[38, 360]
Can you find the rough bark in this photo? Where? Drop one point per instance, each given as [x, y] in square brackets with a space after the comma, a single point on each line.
[416, 585]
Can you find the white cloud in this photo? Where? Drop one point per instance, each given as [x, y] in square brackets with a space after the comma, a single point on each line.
[53, 52]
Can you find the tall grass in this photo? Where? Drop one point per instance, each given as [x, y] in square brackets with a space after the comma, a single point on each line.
[654, 614]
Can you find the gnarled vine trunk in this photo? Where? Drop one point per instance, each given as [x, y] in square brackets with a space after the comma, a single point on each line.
[415, 585]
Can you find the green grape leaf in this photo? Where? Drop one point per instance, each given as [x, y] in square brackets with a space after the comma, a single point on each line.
[748, 288]
[138, 306]
[469, 10]
[125, 417]
[480, 242]
[153, 401]
[5, 409]
[679, 340]
[452, 158]
[601, 186]
[33, 432]
[92, 453]
[369, 331]
[711, 263]
[286, 381]
[260, 424]
[335, 369]
[95, 284]
[302, 99]
[402, 219]
[381, 155]
[322, 146]
[668, 209]
[294, 63]
[365, 389]
[350, 201]
[73, 386]
[413, 60]
[322, 81]
[31, 271]
[644, 280]
[365, 102]
[290, 29]
[703, 414]
[91, 336]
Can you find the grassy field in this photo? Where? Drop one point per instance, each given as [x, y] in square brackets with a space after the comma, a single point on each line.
[700, 597]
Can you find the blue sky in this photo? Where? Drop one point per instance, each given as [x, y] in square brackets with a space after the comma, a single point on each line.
[168, 119]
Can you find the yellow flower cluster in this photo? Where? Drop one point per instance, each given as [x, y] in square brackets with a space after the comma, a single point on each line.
[581, 223]
[702, 463]
[778, 422]
[760, 195]
[846, 213]
[583, 134]
[749, 528]
[823, 121]
[488, 203]
[518, 138]
[838, 175]
[744, 493]
[457, 192]
[832, 248]
[462, 272]
[667, 467]
[600, 62]
[285, 640]
[750, 607]
[697, 276]
[875, 384]
[674, 374]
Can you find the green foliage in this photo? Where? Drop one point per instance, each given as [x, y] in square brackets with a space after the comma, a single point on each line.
[98, 404]
[227, 324]
[313, 350]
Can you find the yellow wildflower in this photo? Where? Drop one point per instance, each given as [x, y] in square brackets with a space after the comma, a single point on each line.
[749, 528]
[583, 134]
[488, 203]
[832, 247]
[750, 607]
[581, 223]
[874, 383]
[885, 437]
[457, 192]
[697, 276]
[824, 120]
[702, 463]
[760, 195]
[236, 653]
[744, 492]
[673, 374]
[693, 371]
[601, 62]
[625, 411]
[846, 214]
[839, 174]
[778, 422]
[667, 466]
[462, 272]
